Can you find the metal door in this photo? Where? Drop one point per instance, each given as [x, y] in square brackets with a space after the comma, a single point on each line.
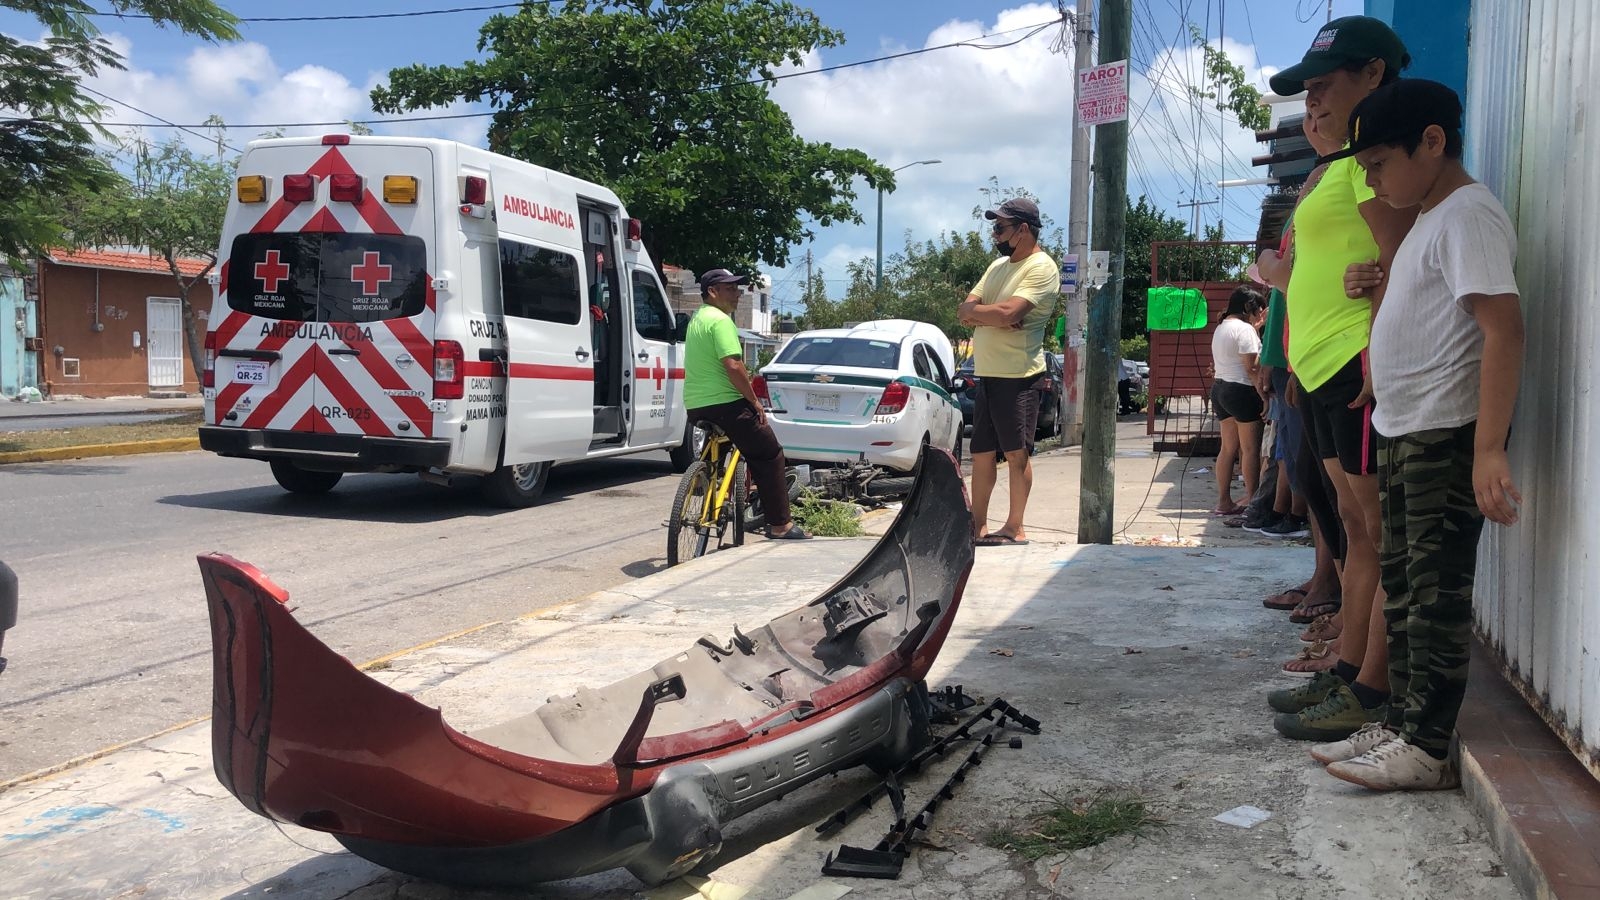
[164, 351]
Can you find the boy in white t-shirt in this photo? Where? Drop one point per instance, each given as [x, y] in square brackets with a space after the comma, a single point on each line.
[1446, 359]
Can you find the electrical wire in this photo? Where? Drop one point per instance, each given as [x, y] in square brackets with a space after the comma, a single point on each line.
[1030, 29]
[353, 16]
[186, 130]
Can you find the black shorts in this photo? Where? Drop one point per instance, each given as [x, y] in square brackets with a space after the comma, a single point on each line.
[1005, 413]
[1233, 400]
[1337, 431]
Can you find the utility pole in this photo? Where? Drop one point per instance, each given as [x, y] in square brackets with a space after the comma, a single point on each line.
[808, 273]
[1194, 218]
[1097, 483]
[1078, 232]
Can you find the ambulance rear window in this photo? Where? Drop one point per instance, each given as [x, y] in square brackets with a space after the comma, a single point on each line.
[328, 277]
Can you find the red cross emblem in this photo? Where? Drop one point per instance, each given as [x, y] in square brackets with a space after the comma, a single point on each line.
[271, 271]
[658, 373]
[370, 273]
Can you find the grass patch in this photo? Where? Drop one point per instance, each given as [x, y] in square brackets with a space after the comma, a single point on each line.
[826, 518]
[183, 425]
[1076, 824]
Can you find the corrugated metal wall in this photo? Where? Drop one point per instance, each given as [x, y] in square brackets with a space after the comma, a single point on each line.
[1534, 65]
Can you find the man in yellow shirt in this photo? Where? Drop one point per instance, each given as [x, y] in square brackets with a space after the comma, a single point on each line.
[1007, 311]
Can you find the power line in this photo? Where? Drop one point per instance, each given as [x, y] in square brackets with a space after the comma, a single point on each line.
[353, 17]
[166, 122]
[1030, 29]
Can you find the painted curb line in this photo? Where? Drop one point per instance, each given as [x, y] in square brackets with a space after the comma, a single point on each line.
[129, 448]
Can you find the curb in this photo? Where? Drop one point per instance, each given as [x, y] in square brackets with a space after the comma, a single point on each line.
[50, 454]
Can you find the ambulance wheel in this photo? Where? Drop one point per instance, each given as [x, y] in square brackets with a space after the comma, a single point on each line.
[296, 480]
[516, 487]
[685, 453]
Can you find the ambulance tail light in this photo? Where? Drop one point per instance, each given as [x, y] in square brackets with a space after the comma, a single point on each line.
[449, 382]
[346, 188]
[400, 189]
[894, 399]
[759, 385]
[474, 190]
[299, 188]
[251, 188]
[208, 377]
[635, 234]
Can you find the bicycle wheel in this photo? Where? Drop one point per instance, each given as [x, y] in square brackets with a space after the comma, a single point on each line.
[731, 517]
[686, 535]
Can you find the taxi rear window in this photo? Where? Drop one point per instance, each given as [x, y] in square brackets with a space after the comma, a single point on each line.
[855, 352]
[328, 277]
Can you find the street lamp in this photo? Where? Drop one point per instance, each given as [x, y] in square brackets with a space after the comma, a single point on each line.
[921, 162]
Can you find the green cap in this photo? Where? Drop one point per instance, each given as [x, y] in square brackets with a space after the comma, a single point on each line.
[1352, 39]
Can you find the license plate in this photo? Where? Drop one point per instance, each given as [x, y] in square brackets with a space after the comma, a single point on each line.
[251, 372]
[822, 402]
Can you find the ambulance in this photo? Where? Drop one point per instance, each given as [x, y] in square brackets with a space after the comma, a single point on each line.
[413, 305]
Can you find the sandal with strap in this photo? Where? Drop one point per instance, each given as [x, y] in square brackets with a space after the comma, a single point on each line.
[1287, 600]
[1323, 628]
[1319, 657]
[1307, 612]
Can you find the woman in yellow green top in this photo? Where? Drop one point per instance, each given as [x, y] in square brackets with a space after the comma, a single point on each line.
[1338, 223]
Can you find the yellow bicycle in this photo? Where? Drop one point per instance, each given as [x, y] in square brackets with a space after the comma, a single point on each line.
[708, 510]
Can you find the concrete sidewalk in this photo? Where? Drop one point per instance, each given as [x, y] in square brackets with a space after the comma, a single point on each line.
[111, 406]
[1147, 666]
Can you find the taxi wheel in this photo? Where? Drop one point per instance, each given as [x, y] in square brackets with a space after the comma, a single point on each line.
[296, 480]
[516, 487]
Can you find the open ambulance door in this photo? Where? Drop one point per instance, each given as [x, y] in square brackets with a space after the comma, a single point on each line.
[549, 354]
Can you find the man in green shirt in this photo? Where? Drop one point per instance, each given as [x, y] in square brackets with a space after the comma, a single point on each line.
[717, 390]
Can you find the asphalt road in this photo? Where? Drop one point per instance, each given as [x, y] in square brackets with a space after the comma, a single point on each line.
[113, 643]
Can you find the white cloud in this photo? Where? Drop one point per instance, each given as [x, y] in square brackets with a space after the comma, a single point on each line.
[1007, 113]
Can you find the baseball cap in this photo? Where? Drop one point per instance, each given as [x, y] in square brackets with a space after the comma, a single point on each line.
[1351, 39]
[1399, 111]
[721, 276]
[1020, 208]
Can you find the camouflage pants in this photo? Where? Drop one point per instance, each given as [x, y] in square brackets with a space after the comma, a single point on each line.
[1431, 525]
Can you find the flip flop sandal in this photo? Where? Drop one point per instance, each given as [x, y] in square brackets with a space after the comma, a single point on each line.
[1237, 510]
[1323, 629]
[1279, 601]
[1318, 657]
[1307, 612]
[998, 540]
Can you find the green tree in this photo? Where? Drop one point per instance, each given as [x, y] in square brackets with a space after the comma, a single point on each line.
[1231, 92]
[47, 151]
[654, 99]
[1145, 224]
[172, 203]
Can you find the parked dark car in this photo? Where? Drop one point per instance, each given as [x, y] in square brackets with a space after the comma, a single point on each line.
[1050, 385]
[8, 606]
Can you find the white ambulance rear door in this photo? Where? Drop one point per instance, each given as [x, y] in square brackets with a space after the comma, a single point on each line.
[549, 344]
[657, 361]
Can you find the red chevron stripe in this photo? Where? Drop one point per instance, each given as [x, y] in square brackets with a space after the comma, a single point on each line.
[414, 408]
[333, 381]
[286, 388]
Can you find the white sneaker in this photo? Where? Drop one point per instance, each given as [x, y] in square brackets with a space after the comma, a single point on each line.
[1371, 736]
[1397, 766]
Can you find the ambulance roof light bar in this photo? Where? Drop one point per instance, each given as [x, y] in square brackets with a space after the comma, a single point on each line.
[635, 234]
[335, 140]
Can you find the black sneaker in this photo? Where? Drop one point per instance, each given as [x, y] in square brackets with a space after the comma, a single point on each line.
[1261, 523]
[1290, 526]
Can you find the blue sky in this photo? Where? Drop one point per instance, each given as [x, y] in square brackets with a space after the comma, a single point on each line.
[985, 113]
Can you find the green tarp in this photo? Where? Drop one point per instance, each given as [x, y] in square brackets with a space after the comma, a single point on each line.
[1175, 309]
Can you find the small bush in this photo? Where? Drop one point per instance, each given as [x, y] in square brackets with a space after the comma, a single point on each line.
[826, 518]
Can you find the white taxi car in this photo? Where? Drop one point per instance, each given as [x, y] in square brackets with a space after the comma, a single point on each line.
[879, 390]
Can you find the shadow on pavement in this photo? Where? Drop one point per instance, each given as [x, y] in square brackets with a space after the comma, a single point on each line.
[406, 499]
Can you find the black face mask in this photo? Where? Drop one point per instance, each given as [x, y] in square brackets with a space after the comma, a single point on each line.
[1005, 247]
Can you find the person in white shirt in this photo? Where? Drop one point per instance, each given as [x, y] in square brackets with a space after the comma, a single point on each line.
[1235, 345]
[1446, 361]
